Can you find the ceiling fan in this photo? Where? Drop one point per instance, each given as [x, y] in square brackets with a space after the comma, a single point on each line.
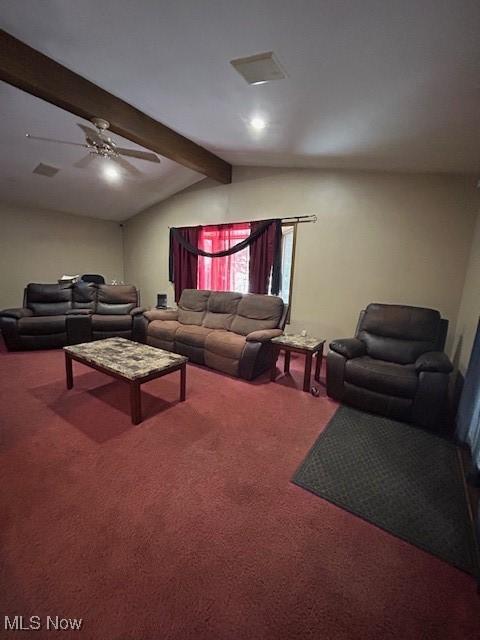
[100, 145]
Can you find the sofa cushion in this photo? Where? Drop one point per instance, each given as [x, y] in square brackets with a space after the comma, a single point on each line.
[113, 299]
[41, 325]
[226, 344]
[49, 299]
[84, 295]
[192, 306]
[399, 333]
[224, 302]
[393, 349]
[221, 309]
[401, 321]
[192, 335]
[167, 345]
[111, 322]
[264, 335]
[194, 299]
[220, 363]
[383, 377]
[161, 314]
[256, 312]
[16, 313]
[163, 329]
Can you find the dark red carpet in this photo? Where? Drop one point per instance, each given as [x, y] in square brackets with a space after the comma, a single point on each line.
[187, 526]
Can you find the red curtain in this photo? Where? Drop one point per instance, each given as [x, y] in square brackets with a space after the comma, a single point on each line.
[229, 273]
[185, 264]
[262, 256]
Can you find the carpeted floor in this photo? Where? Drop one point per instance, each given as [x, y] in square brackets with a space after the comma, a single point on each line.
[187, 526]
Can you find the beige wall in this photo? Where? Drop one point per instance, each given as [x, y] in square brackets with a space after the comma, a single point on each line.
[470, 305]
[395, 238]
[40, 246]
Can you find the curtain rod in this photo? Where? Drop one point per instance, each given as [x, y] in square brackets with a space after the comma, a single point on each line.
[289, 219]
[301, 219]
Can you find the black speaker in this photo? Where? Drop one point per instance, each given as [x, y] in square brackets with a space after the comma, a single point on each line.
[161, 300]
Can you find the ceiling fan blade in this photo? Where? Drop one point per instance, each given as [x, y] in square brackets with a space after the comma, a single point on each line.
[75, 144]
[127, 166]
[141, 155]
[90, 133]
[85, 161]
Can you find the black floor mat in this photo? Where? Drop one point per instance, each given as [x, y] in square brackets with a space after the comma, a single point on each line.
[403, 479]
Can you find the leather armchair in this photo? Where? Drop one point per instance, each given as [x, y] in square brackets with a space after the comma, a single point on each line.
[394, 366]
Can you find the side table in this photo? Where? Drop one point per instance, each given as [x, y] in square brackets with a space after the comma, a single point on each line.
[308, 346]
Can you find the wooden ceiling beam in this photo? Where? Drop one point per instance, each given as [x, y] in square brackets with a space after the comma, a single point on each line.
[37, 74]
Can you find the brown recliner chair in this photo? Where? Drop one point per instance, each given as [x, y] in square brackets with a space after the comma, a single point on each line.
[394, 366]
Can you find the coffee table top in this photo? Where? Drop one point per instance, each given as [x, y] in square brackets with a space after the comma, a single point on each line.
[129, 359]
[309, 343]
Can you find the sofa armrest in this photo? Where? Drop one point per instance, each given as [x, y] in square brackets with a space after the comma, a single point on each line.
[79, 312]
[16, 313]
[161, 314]
[434, 361]
[348, 347]
[137, 310]
[264, 335]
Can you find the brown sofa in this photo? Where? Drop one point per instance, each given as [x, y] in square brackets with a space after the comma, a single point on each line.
[54, 315]
[223, 330]
[395, 364]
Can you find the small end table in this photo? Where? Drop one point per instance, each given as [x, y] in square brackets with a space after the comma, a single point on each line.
[299, 344]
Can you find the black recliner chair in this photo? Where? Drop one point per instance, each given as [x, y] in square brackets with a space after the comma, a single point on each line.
[54, 315]
[394, 366]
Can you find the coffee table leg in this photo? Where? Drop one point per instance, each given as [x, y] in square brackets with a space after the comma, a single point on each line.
[69, 371]
[183, 382]
[308, 371]
[135, 403]
[318, 365]
[286, 362]
[273, 370]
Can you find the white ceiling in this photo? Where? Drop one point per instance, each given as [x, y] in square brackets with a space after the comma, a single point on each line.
[378, 84]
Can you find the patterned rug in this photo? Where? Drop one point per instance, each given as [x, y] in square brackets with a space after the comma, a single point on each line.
[396, 476]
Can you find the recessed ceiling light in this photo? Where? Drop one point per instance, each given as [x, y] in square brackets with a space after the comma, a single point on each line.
[110, 172]
[258, 123]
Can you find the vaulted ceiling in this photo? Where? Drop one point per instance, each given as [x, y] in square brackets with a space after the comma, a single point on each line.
[371, 85]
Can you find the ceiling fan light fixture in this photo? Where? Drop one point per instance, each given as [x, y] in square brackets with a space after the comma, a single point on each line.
[100, 146]
[110, 172]
[100, 123]
[258, 123]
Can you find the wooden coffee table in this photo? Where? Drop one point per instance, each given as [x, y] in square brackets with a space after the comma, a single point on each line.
[308, 346]
[132, 362]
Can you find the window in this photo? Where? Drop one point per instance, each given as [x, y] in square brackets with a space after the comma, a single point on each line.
[288, 245]
[231, 272]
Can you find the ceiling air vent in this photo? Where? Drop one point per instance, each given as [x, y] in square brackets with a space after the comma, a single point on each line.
[260, 68]
[45, 170]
